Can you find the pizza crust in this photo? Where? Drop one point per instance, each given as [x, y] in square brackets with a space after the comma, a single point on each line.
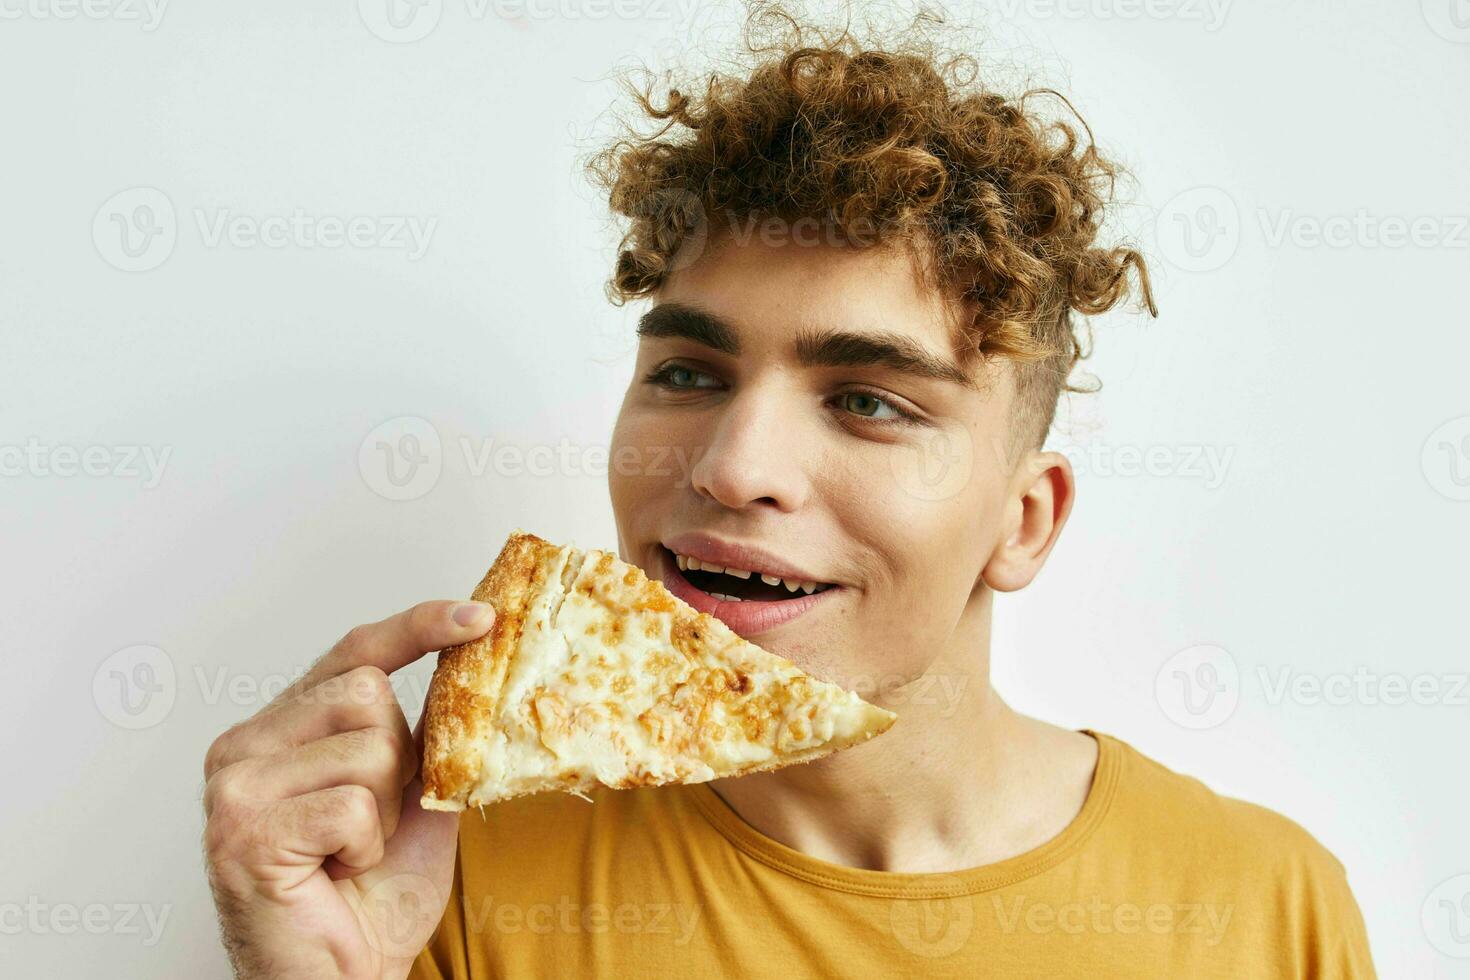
[468, 679]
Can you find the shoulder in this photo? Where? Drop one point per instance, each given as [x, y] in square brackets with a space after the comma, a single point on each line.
[1261, 877]
[1183, 820]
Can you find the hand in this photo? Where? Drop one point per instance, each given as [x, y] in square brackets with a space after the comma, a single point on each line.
[321, 862]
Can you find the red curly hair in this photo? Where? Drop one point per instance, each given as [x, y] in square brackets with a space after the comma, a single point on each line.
[897, 145]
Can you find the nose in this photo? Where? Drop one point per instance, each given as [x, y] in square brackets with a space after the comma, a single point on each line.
[754, 457]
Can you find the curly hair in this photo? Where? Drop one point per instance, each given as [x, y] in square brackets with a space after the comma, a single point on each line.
[898, 144]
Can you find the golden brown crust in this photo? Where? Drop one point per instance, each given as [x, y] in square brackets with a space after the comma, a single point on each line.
[468, 678]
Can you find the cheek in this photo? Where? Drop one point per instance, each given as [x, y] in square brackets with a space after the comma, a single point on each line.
[927, 510]
[625, 477]
[930, 536]
[648, 458]
[945, 499]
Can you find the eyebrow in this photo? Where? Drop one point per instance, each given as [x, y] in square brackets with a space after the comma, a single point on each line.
[689, 323]
[825, 347]
[834, 348]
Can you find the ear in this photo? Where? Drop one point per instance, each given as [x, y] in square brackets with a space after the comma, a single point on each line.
[1040, 498]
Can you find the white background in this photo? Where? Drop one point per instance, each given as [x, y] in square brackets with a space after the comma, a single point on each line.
[1330, 538]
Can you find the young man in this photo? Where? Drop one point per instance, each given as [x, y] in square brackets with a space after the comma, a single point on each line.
[863, 275]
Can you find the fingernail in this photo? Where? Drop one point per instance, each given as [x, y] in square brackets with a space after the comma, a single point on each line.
[471, 613]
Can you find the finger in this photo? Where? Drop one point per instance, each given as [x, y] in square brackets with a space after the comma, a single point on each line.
[367, 757]
[361, 698]
[418, 733]
[401, 639]
[340, 822]
[424, 840]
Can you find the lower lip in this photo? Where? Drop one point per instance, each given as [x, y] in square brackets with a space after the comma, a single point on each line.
[748, 618]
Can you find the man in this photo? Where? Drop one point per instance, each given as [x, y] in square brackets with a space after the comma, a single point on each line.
[863, 275]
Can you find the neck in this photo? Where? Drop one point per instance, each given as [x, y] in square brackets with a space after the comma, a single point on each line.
[961, 780]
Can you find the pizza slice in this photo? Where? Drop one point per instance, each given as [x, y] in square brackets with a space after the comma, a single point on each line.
[595, 674]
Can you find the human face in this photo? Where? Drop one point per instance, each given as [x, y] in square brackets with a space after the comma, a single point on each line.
[799, 412]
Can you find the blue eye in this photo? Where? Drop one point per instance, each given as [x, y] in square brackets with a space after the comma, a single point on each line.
[868, 406]
[681, 378]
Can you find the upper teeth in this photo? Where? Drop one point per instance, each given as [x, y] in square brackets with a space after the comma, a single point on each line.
[687, 564]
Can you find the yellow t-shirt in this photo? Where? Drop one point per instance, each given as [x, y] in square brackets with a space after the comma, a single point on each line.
[1156, 877]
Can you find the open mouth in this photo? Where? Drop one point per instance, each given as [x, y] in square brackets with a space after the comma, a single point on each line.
[742, 584]
[748, 600]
